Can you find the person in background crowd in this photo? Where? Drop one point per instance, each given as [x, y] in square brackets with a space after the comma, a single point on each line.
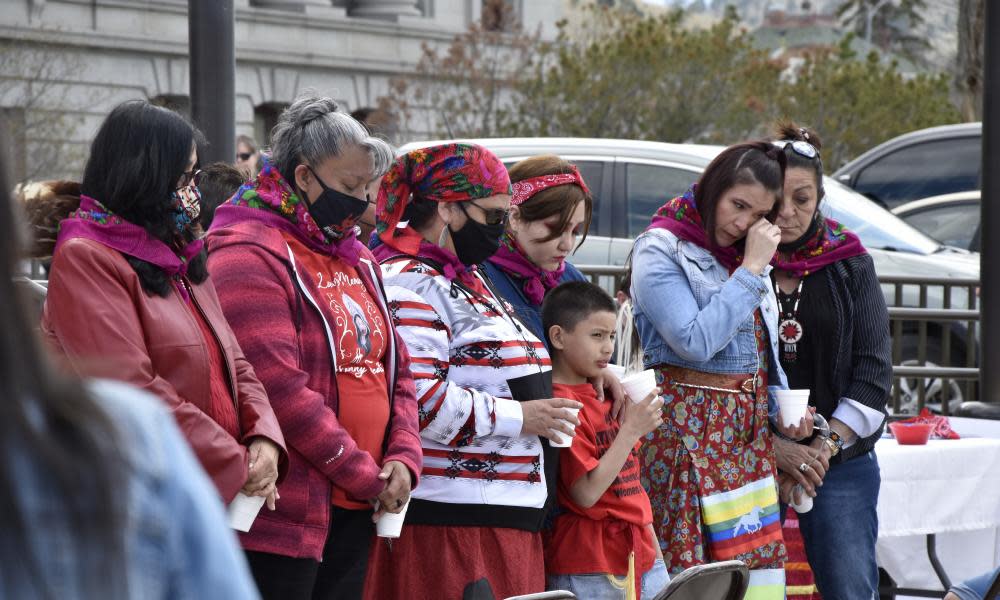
[377, 122]
[305, 299]
[363, 115]
[102, 496]
[551, 207]
[129, 297]
[45, 204]
[603, 544]
[366, 222]
[475, 519]
[218, 182]
[247, 156]
[628, 349]
[707, 318]
[834, 341]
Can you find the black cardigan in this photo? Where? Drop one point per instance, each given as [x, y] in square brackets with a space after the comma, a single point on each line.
[860, 344]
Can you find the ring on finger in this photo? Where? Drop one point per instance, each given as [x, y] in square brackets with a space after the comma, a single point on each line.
[803, 467]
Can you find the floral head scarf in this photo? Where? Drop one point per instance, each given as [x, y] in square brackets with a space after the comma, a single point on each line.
[270, 199]
[446, 173]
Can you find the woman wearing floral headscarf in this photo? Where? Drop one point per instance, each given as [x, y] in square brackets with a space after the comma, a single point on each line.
[550, 208]
[484, 484]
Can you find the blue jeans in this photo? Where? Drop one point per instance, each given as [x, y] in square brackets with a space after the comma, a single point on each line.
[841, 529]
[975, 588]
[595, 586]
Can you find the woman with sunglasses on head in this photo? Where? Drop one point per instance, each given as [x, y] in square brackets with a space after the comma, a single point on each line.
[129, 298]
[305, 299]
[484, 488]
[551, 207]
[707, 319]
[247, 155]
[833, 339]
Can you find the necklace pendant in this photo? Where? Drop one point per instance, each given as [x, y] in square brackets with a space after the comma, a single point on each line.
[790, 331]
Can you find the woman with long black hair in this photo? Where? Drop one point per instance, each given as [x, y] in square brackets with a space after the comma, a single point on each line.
[129, 297]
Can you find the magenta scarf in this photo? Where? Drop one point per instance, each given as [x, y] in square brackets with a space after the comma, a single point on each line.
[451, 267]
[535, 282]
[93, 221]
[831, 242]
[680, 216]
[270, 200]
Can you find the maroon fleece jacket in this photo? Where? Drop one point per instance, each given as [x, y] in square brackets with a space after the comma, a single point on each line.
[284, 338]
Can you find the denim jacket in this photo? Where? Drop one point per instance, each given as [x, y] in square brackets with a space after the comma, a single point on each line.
[177, 541]
[690, 312]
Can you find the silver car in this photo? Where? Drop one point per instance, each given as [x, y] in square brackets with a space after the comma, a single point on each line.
[631, 179]
[952, 219]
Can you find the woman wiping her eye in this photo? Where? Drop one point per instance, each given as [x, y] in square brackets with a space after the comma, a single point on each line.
[707, 317]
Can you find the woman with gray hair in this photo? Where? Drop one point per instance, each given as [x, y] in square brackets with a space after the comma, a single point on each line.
[305, 300]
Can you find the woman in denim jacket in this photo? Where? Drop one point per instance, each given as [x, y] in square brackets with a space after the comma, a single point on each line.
[707, 319]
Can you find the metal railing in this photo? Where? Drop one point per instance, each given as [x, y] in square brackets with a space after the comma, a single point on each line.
[942, 315]
[934, 324]
[925, 314]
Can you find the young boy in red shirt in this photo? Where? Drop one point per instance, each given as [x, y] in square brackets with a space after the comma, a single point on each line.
[602, 544]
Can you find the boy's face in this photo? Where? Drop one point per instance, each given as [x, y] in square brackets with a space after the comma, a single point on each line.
[587, 348]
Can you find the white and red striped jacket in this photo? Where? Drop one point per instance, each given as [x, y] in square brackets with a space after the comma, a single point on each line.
[478, 469]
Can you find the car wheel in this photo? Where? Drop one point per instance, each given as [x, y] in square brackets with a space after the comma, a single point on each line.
[934, 387]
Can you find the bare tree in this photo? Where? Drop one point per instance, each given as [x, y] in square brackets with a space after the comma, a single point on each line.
[969, 74]
[37, 120]
[465, 89]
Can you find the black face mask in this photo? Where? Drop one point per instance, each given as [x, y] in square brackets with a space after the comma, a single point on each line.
[475, 241]
[335, 212]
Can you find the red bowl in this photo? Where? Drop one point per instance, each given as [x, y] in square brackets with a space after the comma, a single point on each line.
[911, 434]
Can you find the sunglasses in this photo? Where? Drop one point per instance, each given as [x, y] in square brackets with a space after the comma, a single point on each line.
[493, 216]
[800, 147]
[244, 156]
[190, 178]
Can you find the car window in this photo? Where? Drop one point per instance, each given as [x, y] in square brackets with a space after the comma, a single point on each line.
[922, 170]
[592, 172]
[952, 224]
[877, 227]
[648, 187]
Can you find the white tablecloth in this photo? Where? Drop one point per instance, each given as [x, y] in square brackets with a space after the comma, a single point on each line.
[947, 487]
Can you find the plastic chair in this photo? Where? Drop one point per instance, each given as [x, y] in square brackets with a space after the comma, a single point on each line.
[726, 580]
[553, 595]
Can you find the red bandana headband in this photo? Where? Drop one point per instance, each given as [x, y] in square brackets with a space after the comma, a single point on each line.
[529, 187]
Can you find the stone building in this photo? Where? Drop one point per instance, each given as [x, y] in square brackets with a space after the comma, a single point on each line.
[65, 63]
